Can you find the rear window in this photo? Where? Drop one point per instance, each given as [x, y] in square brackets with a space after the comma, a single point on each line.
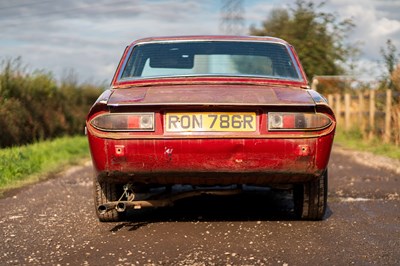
[210, 58]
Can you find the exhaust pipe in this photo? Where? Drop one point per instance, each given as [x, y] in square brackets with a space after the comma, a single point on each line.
[121, 207]
[102, 209]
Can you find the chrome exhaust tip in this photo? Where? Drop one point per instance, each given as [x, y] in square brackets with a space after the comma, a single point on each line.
[121, 207]
[102, 209]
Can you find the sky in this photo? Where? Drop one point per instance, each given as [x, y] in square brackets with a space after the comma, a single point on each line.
[88, 37]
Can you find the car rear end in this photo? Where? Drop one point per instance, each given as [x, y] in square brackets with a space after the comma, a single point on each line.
[211, 143]
[208, 130]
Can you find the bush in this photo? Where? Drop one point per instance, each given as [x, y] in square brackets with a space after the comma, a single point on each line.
[15, 123]
[34, 107]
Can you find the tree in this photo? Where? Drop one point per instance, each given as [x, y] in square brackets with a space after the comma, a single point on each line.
[318, 37]
[390, 79]
[396, 77]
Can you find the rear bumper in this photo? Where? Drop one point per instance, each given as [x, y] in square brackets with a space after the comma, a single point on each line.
[206, 178]
[210, 161]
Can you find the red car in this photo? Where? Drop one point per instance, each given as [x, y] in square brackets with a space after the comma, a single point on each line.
[213, 114]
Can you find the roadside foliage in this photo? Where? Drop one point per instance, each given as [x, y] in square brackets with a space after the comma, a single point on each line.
[34, 107]
[366, 111]
[30, 163]
[319, 38]
[369, 111]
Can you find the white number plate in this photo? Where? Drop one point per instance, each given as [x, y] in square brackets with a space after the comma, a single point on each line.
[210, 122]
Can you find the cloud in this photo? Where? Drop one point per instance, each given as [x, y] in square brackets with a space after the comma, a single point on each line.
[257, 11]
[385, 27]
[375, 19]
[89, 36]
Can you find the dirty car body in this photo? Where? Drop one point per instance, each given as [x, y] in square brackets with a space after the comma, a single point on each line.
[208, 112]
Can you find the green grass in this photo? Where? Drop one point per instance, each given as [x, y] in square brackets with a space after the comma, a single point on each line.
[354, 139]
[24, 165]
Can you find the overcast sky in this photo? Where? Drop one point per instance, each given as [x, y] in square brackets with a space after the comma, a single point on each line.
[89, 36]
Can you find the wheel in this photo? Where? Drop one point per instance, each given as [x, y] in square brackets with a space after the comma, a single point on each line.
[105, 192]
[310, 199]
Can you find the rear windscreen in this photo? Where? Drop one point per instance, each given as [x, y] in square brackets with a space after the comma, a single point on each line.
[210, 58]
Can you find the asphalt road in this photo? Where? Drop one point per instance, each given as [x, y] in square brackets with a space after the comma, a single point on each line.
[54, 223]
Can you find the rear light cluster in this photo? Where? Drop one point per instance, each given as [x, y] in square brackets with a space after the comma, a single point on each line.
[124, 122]
[297, 121]
[277, 121]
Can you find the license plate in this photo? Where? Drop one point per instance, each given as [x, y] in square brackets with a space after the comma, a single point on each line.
[210, 122]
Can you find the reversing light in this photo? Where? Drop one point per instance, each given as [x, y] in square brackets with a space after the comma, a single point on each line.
[124, 122]
[297, 121]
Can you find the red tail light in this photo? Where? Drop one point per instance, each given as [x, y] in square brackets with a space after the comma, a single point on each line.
[124, 122]
[297, 121]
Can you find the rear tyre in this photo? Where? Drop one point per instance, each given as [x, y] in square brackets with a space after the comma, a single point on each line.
[105, 192]
[310, 198]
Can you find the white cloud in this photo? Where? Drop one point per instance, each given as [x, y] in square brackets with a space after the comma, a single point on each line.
[376, 21]
[257, 11]
[385, 27]
[89, 36]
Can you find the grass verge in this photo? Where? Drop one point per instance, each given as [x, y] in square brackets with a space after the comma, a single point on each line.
[24, 165]
[354, 140]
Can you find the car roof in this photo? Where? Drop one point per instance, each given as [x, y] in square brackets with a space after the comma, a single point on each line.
[210, 38]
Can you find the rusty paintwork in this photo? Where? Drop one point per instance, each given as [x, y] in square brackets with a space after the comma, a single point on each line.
[220, 95]
[212, 158]
[197, 161]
